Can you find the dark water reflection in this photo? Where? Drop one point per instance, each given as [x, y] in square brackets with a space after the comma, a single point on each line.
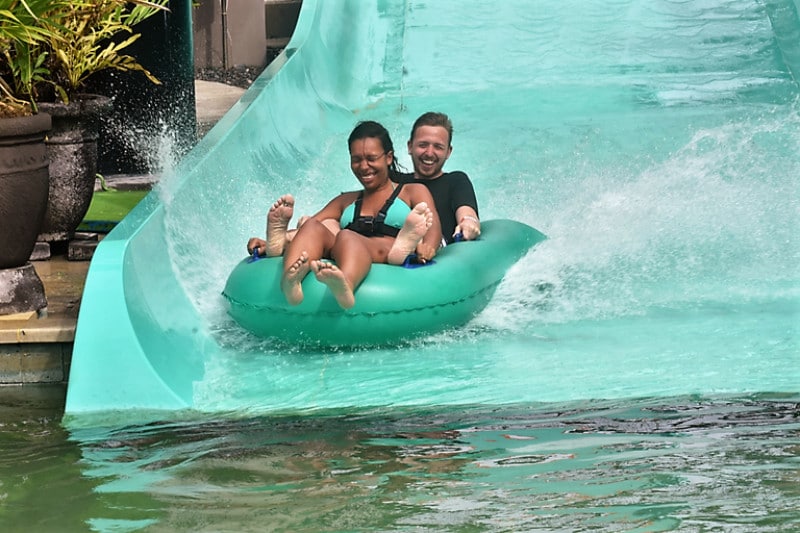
[677, 464]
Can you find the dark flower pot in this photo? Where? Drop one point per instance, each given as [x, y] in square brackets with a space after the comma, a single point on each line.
[24, 184]
[72, 148]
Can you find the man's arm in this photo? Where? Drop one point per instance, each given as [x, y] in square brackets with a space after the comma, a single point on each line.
[468, 223]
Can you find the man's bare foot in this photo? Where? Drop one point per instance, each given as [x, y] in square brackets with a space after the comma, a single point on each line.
[293, 278]
[330, 275]
[417, 223]
[278, 219]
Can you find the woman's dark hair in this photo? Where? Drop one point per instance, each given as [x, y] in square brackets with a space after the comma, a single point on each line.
[369, 129]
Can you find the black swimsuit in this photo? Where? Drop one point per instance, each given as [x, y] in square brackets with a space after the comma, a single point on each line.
[374, 226]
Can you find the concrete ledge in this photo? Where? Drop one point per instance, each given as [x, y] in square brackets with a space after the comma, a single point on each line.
[81, 250]
[41, 252]
[128, 182]
[35, 363]
[30, 331]
[37, 348]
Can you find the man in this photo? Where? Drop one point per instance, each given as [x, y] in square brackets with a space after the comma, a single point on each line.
[429, 147]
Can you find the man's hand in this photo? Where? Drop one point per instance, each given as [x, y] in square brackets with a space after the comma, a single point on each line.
[469, 227]
[425, 252]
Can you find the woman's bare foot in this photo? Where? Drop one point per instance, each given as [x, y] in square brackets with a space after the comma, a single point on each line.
[278, 219]
[417, 223]
[293, 278]
[330, 275]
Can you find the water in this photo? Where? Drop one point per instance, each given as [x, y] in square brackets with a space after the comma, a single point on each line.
[668, 464]
[636, 372]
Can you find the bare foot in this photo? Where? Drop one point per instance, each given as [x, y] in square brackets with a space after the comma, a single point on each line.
[414, 229]
[277, 223]
[330, 275]
[292, 279]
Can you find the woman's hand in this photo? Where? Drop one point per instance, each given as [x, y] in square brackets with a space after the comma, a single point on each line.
[254, 243]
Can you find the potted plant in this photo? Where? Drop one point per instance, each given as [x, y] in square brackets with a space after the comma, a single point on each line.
[48, 49]
[84, 37]
[24, 176]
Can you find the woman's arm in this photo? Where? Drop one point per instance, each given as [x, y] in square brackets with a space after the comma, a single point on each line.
[335, 208]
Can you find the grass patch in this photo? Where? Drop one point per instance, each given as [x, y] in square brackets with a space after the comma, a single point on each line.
[108, 208]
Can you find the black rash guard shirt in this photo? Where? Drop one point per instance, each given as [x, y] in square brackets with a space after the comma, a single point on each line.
[450, 191]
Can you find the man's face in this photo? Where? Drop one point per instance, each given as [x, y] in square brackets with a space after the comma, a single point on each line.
[429, 150]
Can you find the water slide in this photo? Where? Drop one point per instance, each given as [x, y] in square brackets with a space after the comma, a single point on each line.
[643, 136]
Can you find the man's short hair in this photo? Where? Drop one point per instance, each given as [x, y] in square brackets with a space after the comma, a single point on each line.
[433, 118]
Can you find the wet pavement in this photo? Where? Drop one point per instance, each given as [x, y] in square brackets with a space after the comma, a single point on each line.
[63, 284]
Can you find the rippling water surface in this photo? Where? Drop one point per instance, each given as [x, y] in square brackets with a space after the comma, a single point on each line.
[667, 464]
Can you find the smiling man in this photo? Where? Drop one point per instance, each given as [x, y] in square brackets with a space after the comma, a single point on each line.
[430, 146]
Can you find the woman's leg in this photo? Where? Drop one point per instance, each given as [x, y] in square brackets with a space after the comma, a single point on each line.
[312, 242]
[354, 255]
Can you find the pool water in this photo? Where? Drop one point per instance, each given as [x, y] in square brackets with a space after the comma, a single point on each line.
[638, 371]
[652, 464]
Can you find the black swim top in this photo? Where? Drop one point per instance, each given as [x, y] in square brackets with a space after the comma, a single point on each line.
[374, 226]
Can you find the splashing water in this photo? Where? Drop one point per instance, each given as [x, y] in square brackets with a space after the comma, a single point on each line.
[716, 221]
[700, 237]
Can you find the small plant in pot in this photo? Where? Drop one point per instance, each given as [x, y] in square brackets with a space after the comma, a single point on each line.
[84, 37]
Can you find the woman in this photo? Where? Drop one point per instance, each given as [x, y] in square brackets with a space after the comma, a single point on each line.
[384, 222]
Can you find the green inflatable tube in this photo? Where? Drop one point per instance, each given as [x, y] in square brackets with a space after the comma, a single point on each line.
[393, 303]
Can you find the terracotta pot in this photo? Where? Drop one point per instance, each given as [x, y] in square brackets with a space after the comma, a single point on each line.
[72, 148]
[23, 186]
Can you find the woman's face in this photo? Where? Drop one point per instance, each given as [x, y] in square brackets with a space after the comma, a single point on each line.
[370, 162]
